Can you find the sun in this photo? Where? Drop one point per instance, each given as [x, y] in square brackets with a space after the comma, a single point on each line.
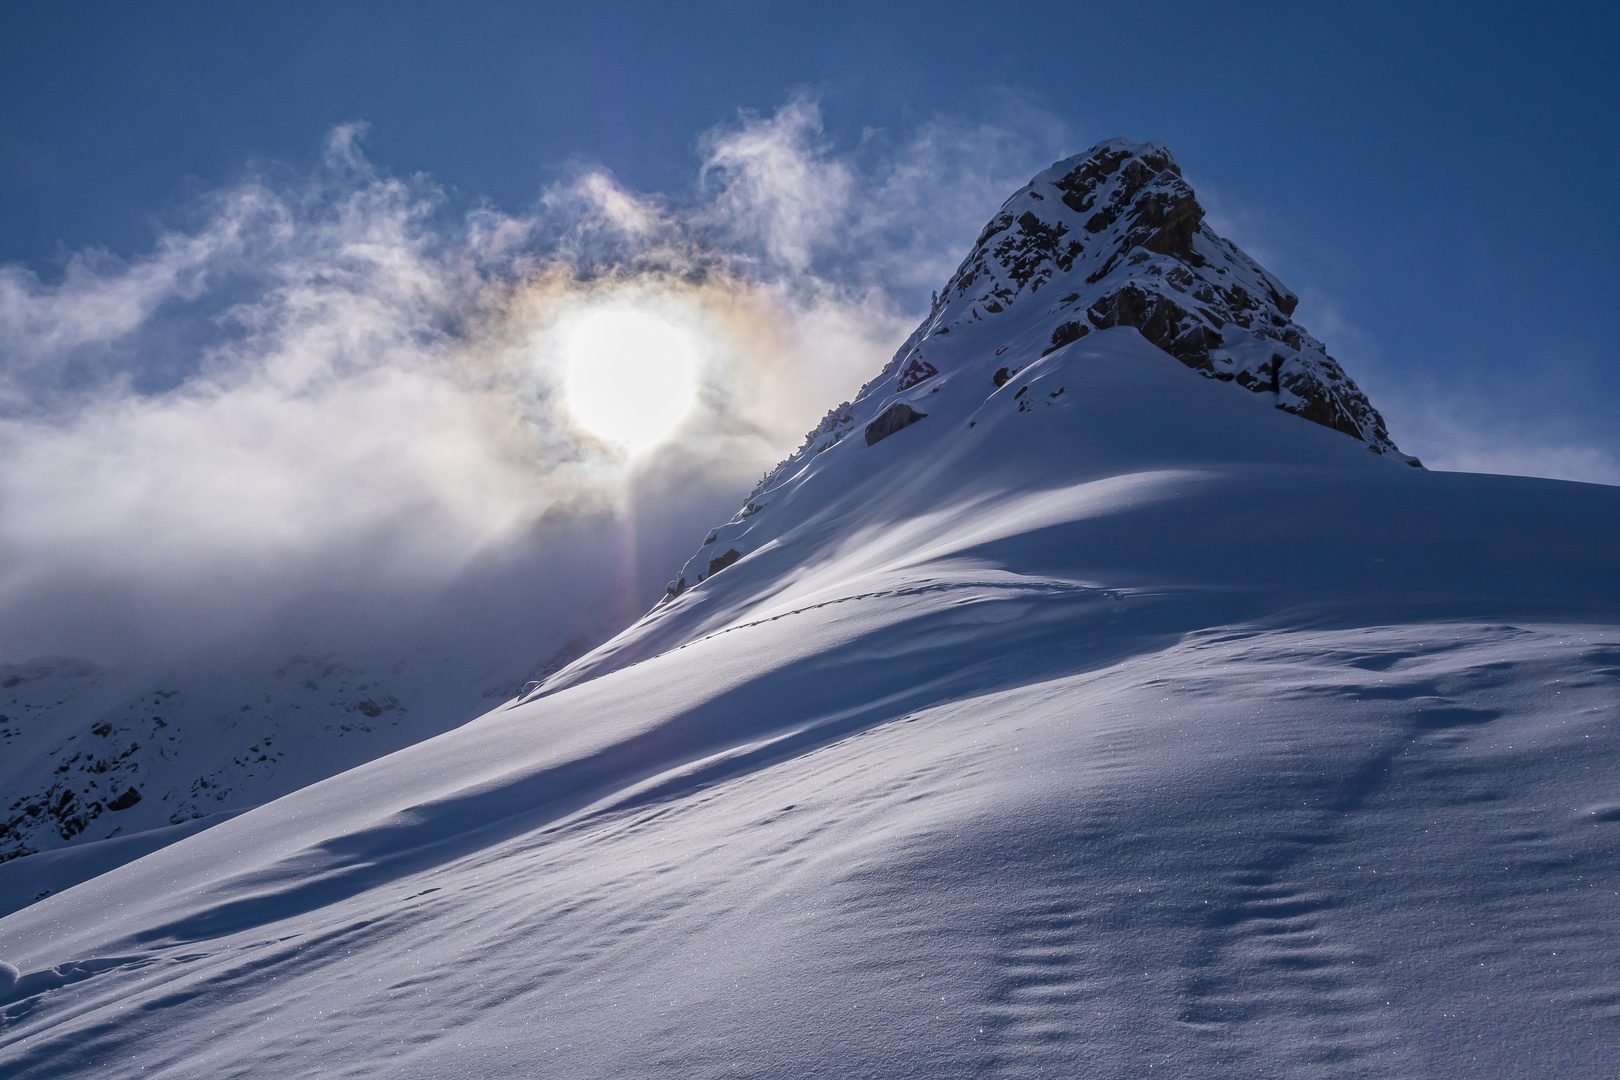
[630, 374]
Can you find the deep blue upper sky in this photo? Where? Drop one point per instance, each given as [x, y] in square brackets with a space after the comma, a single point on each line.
[1441, 176]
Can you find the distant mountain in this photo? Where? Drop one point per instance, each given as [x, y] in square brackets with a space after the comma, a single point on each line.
[1053, 712]
[93, 752]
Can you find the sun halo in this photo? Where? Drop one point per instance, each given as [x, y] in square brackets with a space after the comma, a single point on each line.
[630, 374]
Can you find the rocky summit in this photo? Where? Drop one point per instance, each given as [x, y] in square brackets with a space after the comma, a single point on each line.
[1116, 237]
[1113, 237]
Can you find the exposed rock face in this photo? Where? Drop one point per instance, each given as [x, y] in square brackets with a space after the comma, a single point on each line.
[1115, 237]
[1110, 238]
[915, 372]
[720, 562]
[895, 417]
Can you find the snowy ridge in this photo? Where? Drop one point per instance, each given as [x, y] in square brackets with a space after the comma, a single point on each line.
[1112, 237]
[96, 752]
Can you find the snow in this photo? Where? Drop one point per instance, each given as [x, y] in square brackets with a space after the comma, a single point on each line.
[198, 739]
[34, 877]
[1108, 721]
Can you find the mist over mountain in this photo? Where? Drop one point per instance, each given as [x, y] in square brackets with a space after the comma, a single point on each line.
[1099, 689]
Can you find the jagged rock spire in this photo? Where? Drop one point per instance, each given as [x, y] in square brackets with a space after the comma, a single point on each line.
[1116, 237]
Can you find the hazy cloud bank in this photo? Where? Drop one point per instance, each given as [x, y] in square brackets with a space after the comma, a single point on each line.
[324, 408]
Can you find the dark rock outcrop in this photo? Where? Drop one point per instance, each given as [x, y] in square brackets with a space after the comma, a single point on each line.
[915, 372]
[720, 562]
[896, 416]
[1126, 233]
[1066, 334]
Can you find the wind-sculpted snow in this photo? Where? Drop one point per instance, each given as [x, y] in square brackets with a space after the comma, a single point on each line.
[1111, 719]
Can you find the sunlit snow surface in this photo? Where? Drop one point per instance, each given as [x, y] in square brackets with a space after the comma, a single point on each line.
[1147, 731]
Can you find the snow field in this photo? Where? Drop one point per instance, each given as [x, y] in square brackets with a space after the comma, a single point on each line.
[1353, 852]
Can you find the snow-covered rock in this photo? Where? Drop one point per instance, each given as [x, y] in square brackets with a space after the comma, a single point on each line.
[1115, 237]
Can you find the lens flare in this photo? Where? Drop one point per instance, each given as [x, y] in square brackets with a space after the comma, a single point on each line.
[631, 375]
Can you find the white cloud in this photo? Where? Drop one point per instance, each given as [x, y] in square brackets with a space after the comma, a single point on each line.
[899, 214]
[775, 187]
[329, 405]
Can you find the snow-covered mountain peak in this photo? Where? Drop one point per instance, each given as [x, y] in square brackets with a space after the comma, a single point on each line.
[1116, 237]
[1113, 238]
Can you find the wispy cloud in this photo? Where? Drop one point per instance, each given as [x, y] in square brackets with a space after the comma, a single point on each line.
[1458, 425]
[1456, 433]
[330, 405]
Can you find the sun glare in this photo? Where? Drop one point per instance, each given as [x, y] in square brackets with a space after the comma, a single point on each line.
[631, 375]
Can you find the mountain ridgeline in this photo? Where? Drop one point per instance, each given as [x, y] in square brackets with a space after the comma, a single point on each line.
[1111, 237]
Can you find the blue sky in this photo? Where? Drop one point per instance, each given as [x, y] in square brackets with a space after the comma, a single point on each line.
[1434, 180]
[1437, 174]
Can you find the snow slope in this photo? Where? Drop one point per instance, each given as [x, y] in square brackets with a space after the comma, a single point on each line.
[1105, 720]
